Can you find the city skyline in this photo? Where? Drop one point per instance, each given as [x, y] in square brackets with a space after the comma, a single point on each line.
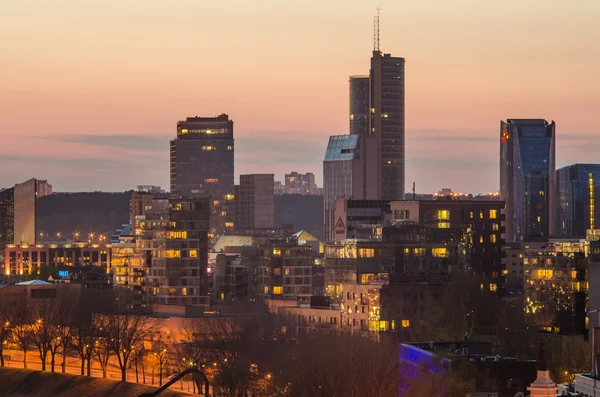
[93, 108]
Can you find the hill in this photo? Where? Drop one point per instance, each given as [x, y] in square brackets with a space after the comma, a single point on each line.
[84, 212]
[104, 212]
[16, 382]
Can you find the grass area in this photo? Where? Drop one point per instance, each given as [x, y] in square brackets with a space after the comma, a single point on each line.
[15, 382]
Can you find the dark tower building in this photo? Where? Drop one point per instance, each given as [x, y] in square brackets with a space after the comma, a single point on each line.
[527, 160]
[202, 164]
[387, 120]
[359, 105]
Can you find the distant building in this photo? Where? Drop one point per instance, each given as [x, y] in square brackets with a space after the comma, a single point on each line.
[255, 202]
[304, 184]
[202, 165]
[574, 200]
[278, 188]
[43, 188]
[527, 160]
[18, 215]
[139, 203]
[360, 114]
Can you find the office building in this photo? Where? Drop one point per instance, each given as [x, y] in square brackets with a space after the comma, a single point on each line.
[347, 174]
[139, 203]
[24, 259]
[573, 200]
[359, 105]
[527, 160]
[7, 219]
[202, 165]
[43, 188]
[387, 122]
[25, 212]
[255, 202]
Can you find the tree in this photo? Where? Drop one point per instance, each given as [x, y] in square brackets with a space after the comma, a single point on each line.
[6, 327]
[85, 333]
[102, 348]
[68, 309]
[22, 328]
[45, 330]
[139, 361]
[160, 354]
[124, 333]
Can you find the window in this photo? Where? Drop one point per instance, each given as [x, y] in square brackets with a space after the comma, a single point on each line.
[401, 214]
[277, 290]
[176, 235]
[481, 239]
[229, 147]
[471, 214]
[495, 227]
[266, 289]
[493, 238]
[439, 252]
[481, 214]
[193, 253]
[493, 214]
[405, 323]
[172, 254]
[287, 271]
[504, 272]
[366, 253]
[493, 287]
[209, 148]
[276, 252]
[228, 224]
[443, 214]
[419, 251]
[211, 180]
[444, 225]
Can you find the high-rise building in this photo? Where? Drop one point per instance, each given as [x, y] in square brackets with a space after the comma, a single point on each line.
[527, 159]
[346, 174]
[359, 105]
[7, 219]
[139, 203]
[387, 122]
[574, 200]
[296, 183]
[255, 202]
[43, 188]
[202, 165]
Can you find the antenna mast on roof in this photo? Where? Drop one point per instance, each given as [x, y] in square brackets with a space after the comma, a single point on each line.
[376, 31]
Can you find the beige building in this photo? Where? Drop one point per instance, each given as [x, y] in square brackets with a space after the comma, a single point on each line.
[24, 212]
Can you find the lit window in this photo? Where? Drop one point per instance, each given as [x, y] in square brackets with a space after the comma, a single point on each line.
[504, 272]
[481, 214]
[193, 253]
[493, 238]
[211, 180]
[405, 323]
[493, 287]
[366, 253]
[471, 214]
[184, 131]
[286, 272]
[184, 291]
[228, 224]
[481, 239]
[419, 251]
[441, 252]
[539, 219]
[229, 197]
[230, 147]
[177, 235]
[493, 214]
[278, 290]
[444, 225]
[443, 214]
[351, 117]
[208, 148]
[495, 227]
[172, 254]
[276, 252]
[223, 213]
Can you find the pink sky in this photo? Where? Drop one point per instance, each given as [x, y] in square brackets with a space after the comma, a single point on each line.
[72, 72]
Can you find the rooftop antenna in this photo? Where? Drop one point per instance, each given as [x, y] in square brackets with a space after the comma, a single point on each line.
[376, 31]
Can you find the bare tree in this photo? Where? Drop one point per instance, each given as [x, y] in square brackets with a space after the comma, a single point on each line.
[22, 328]
[161, 357]
[139, 361]
[68, 309]
[84, 335]
[6, 327]
[124, 333]
[102, 348]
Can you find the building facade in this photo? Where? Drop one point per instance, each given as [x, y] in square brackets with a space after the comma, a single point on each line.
[387, 122]
[527, 160]
[347, 174]
[43, 188]
[255, 202]
[573, 200]
[296, 183]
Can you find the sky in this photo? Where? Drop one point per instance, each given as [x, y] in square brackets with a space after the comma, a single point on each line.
[91, 91]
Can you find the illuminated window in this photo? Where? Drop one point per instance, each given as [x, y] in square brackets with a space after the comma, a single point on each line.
[405, 323]
[278, 290]
[223, 213]
[419, 251]
[393, 325]
[228, 224]
[184, 291]
[444, 225]
[208, 148]
[471, 214]
[366, 253]
[211, 180]
[351, 117]
[406, 250]
[504, 272]
[495, 227]
[441, 252]
[493, 287]
[229, 147]
[184, 131]
[229, 197]
[172, 254]
[574, 273]
[193, 253]
[493, 238]
[276, 252]
[493, 214]
[481, 214]
[443, 215]
[287, 271]
[539, 219]
[177, 235]
[545, 274]
[266, 289]
[481, 239]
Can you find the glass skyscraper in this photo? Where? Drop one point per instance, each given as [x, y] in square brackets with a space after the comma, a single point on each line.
[574, 200]
[527, 160]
